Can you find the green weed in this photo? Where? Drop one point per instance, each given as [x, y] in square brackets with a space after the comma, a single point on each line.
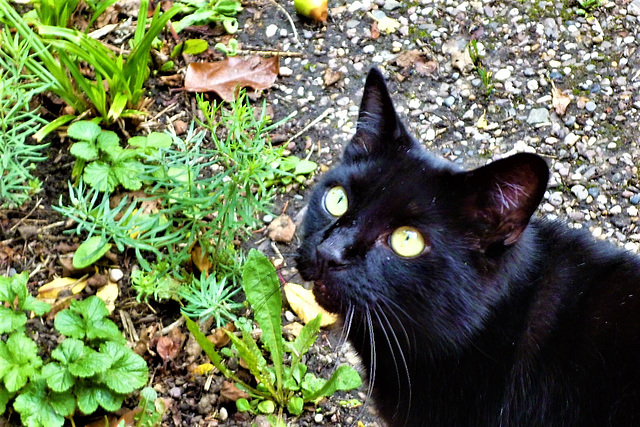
[199, 12]
[279, 386]
[91, 368]
[484, 75]
[17, 123]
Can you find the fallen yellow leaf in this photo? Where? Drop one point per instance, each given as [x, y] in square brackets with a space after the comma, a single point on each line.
[109, 293]
[49, 292]
[482, 122]
[386, 24]
[303, 303]
[203, 369]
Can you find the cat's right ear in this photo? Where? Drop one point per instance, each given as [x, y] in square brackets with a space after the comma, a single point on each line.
[501, 197]
[379, 129]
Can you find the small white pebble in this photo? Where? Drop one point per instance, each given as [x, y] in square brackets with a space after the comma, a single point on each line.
[318, 418]
[223, 414]
[271, 30]
[632, 211]
[617, 209]
[115, 274]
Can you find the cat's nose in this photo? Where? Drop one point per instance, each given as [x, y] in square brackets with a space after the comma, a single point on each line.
[331, 254]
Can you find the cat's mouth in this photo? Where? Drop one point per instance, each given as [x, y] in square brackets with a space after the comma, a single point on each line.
[325, 297]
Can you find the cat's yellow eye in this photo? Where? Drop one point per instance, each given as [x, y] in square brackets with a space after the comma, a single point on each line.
[335, 201]
[407, 242]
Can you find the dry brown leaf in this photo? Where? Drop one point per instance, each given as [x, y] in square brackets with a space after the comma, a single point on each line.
[231, 392]
[61, 285]
[303, 303]
[167, 348]
[282, 229]
[417, 60]
[375, 32]
[219, 337]
[200, 259]
[331, 77]
[109, 294]
[560, 101]
[225, 77]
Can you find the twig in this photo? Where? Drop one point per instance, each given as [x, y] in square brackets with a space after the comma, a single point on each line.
[293, 27]
[166, 330]
[324, 114]
[27, 215]
[270, 53]
[39, 266]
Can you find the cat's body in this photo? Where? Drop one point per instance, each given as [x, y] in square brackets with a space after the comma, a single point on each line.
[491, 319]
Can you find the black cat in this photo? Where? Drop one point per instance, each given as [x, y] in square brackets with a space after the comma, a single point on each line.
[466, 311]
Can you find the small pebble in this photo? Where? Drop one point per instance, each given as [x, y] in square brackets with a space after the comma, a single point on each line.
[271, 30]
[223, 414]
[635, 199]
[590, 106]
[616, 210]
[115, 274]
[318, 418]
[580, 191]
[503, 74]
[632, 211]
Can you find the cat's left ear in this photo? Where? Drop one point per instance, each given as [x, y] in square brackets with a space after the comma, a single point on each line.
[379, 130]
[502, 196]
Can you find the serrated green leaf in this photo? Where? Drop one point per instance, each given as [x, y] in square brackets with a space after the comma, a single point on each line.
[84, 131]
[128, 173]
[11, 321]
[35, 305]
[91, 363]
[90, 251]
[305, 340]
[91, 395]
[262, 289]
[19, 361]
[305, 167]
[344, 378]
[109, 143]
[58, 377]
[295, 405]
[100, 176]
[127, 372]
[84, 150]
[39, 407]
[70, 323]
[257, 364]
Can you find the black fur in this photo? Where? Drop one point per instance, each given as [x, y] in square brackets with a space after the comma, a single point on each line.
[502, 320]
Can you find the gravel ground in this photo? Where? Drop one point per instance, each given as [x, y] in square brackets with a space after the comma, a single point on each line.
[590, 57]
[529, 47]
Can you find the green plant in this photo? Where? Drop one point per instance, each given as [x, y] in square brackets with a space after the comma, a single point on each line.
[290, 169]
[210, 296]
[103, 163]
[124, 76]
[91, 367]
[18, 122]
[201, 12]
[230, 49]
[57, 13]
[124, 225]
[157, 283]
[279, 386]
[586, 7]
[485, 76]
[151, 407]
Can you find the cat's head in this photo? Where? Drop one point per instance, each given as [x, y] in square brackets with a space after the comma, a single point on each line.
[393, 228]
